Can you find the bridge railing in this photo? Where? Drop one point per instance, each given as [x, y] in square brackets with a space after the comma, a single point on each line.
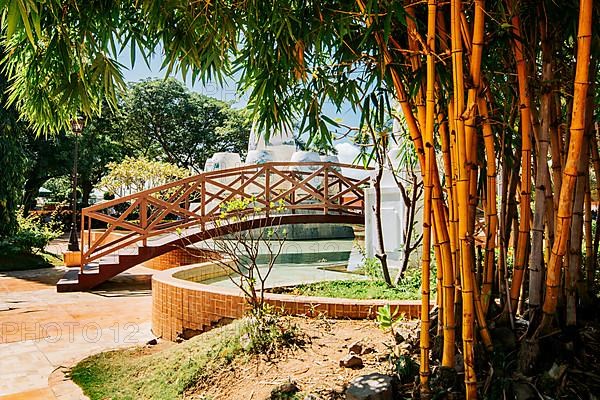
[195, 202]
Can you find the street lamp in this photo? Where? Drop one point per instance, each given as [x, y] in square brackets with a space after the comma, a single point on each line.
[76, 127]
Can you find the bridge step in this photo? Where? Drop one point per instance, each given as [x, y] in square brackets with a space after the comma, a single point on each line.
[106, 268]
[114, 264]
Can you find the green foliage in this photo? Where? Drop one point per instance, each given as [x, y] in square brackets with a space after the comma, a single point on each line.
[103, 140]
[411, 280]
[405, 368]
[31, 237]
[354, 289]
[165, 120]
[166, 374]
[61, 188]
[266, 332]
[11, 180]
[46, 157]
[386, 319]
[56, 71]
[22, 262]
[12, 158]
[137, 174]
[371, 267]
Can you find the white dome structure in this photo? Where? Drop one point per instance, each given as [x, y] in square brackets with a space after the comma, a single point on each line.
[281, 145]
[223, 160]
[258, 157]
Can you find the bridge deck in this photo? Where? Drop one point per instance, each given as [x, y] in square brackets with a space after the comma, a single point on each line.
[167, 217]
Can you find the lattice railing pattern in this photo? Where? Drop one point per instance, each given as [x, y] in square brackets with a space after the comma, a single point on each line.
[195, 202]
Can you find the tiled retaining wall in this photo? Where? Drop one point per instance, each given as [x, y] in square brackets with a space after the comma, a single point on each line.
[182, 308]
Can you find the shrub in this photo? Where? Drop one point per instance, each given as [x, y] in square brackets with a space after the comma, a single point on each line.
[32, 235]
[265, 331]
[371, 267]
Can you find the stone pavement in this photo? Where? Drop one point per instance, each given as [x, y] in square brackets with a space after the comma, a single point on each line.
[42, 332]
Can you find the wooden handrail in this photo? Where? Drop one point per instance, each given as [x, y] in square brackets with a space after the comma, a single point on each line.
[305, 186]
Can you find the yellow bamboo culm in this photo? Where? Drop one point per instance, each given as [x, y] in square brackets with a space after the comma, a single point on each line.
[448, 270]
[526, 129]
[569, 177]
[478, 102]
[425, 339]
[463, 181]
[438, 208]
[491, 212]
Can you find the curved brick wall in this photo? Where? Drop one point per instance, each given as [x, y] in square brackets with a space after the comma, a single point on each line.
[179, 257]
[182, 307]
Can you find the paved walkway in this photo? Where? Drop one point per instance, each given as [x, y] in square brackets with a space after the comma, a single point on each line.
[43, 332]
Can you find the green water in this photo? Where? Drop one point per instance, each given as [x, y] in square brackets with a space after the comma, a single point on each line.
[304, 262]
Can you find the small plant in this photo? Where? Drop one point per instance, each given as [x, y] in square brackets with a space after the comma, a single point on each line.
[403, 365]
[265, 331]
[242, 248]
[371, 267]
[386, 319]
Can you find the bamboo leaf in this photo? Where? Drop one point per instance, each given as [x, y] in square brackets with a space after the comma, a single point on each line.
[12, 18]
[25, 19]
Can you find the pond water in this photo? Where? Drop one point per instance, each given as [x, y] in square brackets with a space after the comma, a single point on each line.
[307, 262]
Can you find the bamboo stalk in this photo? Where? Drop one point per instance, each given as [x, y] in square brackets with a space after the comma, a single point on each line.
[415, 63]
[569, 178]
[439, 212]
[576, 236]
[536, 261]
[424, 370]
[465, 237]
[591, 269]
[448, 274]
[491, 212]
[525, 193]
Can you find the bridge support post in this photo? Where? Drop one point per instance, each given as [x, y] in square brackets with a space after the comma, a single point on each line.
[326, 189]
[144, 219]
[268, 190]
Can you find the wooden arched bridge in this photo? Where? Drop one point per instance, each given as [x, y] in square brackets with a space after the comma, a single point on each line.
[153, 222]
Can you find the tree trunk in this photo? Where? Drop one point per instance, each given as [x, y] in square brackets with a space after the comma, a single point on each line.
[30, 191]
[86, 191]
[380, 254]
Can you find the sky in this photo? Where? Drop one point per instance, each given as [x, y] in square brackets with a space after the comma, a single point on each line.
[141, 71]
[227, 93]
[347, 152]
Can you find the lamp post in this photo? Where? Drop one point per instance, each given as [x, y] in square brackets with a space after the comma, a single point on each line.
[76, 127]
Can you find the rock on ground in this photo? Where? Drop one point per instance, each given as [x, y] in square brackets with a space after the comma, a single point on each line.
[370, 387]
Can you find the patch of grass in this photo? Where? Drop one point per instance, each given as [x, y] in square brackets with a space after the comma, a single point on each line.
[364, 289]
[24, 261]
[172, 372]
[166, 374]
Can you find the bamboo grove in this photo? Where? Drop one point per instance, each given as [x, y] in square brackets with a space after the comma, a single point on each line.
[457, 130]
[499, 99]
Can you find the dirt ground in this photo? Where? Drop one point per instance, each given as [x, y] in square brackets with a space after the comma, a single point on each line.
[314, 368]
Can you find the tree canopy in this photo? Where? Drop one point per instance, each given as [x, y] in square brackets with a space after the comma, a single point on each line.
[164, 120]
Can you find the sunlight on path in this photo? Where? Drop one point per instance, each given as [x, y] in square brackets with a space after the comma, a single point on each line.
[41, 331]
